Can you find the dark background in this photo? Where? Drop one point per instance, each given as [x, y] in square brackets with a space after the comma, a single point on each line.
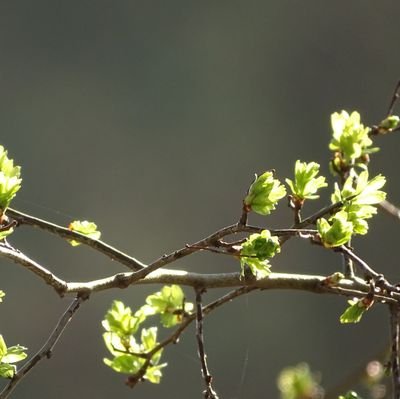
[150, 118]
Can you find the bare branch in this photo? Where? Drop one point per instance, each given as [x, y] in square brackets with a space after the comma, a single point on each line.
[108, 250]
[49, 278]
[393, 100]
[395, 359]
[47, 349]
[209, 392]
[310, 283]
[390, 209]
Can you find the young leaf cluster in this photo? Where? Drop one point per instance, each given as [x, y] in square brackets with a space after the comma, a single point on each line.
[10, 183]
[131, 354]
[264, 193]
[8, 356]
[86, 228]
[10, 180]
[298, 382]
[256, 251]
[170, 304]
[306, 183]
[388, 124]
[358, 195]
[350, 141]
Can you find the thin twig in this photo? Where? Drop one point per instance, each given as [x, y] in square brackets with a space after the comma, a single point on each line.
[173, 338]
[378, 278]
[49, 278]
[47, 349]
[365, 268]
[108, 250]
[395, 97]
[395, 338]
[348, 267]
[328, 210]
[209, 392]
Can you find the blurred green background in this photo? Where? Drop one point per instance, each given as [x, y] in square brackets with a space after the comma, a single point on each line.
[150, 118]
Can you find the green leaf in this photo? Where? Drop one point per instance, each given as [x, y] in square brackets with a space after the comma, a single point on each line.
[126, 354]
[10, 181]
[14, 354]
[120, 320]
[298, 382]
[337, 231]
[368, 191]
[355, 311]
[86, 228]
[149, 338]
[359, 199]
[125, 363]
[170, 304]
[388, 124]
[3, 347]
[306, 184]
[121, 324]
[256, 251]
[154, 374]
[350, 142]
[350, 137]
[7, 370]
[264, 194]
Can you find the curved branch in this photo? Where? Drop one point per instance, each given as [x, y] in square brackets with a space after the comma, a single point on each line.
[108, 250]
[59, 285]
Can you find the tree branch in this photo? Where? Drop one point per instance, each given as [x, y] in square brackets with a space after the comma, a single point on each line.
[108, 250]
[209, 392]
[395, 338]
[47, 349]
[173, 338]
[390, 209]
[310, 283]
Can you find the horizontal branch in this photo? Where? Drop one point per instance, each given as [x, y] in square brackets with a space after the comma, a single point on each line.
[311, 283]
[141, 270]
